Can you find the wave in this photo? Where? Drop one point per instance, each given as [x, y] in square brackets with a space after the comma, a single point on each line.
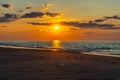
[101, 47]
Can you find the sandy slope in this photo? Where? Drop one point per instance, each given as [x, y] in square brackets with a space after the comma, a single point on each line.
[26, 64]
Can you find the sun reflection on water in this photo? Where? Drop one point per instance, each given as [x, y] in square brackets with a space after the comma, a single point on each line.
[56, 44]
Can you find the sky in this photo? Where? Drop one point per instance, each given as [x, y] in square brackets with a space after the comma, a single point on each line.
[59, 20]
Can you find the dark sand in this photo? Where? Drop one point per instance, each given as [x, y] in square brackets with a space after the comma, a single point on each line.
[26, 64]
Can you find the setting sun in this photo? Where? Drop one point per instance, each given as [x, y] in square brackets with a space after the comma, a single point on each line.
[56, 27]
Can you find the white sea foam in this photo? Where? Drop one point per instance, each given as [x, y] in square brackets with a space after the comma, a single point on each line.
[104, 47]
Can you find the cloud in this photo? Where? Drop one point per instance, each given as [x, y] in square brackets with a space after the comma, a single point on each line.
[116, 17]
[28, 7]
[33, 15]
[9, 6]
[90, 25]
[47, 5]
[39, 14]
[9, 18]
[36, 23]
[52, 14]
[99, 20]
[105, 18]
[80, 25]
[112, 17]
[3, 26]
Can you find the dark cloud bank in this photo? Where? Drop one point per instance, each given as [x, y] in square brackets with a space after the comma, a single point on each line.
[39, 14]
[8, 17]
[89, 25]
[98, 23]
[81, 25]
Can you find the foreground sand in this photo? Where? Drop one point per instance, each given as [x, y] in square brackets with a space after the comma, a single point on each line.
[26, 64]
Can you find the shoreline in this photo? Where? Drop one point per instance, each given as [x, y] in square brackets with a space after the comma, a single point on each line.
[25, 48]
[56, 49]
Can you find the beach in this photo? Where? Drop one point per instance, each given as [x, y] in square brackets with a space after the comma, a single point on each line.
[33, 64]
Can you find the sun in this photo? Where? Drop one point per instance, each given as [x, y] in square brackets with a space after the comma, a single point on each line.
[56, 27]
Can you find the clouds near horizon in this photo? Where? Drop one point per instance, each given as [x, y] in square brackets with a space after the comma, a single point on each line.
[98, 23]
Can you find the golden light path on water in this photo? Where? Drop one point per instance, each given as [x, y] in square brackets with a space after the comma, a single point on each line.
[56, 45]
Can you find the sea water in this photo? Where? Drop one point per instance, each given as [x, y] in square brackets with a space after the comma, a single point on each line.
[104, 47]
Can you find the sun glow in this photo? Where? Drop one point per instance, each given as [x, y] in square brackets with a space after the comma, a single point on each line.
[56, 27]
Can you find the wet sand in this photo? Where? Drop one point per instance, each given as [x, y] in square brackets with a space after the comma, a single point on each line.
[30, 64]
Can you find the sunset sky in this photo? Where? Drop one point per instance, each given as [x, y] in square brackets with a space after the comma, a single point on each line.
[59, 20]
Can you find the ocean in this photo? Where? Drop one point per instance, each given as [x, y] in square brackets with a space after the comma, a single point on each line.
[99, 47]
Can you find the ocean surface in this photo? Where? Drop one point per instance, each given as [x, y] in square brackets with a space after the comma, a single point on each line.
[99, 47]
